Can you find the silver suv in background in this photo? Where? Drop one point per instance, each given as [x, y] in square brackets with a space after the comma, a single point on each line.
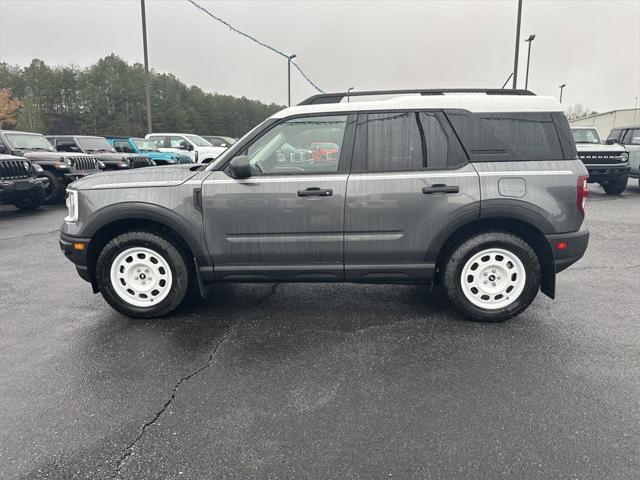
[629, 138]
[477, 192]
[607, 164]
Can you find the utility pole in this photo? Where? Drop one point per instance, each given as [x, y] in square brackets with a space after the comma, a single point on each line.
[529, 41]
[515, 59]
[561, 88]
[147, 81]
[289, 58]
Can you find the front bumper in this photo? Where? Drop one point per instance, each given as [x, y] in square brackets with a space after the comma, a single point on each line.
[568, 248]
[15, 190]
[599, 172]
[78, 256]
[73, 176]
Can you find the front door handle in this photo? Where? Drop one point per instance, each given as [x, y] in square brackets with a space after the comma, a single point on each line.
[441, 188]
[315, 192]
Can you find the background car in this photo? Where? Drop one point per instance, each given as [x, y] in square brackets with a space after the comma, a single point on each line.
[629, 138]
[219, 141]
[147, 148]
[101, 149]
[195, 146]
[60, 168]
[19, 184]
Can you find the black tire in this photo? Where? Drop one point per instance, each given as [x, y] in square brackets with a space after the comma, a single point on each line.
[32, 202]
[452, 276]
[169, 250]
[54, 193]
[616, 186]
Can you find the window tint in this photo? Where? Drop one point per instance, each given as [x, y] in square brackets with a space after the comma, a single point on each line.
[158, 141]
[635, 137]
[508, 136]
[408, 141]
[299, 146]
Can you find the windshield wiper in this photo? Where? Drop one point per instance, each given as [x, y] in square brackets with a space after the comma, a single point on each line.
[35, 148]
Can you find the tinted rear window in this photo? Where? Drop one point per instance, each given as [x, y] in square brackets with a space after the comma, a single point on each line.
[508, 136]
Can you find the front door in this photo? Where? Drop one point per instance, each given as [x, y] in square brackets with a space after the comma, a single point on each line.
[410, 178]
[286, 221]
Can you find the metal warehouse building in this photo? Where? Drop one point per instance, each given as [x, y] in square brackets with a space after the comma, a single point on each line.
[604, 122]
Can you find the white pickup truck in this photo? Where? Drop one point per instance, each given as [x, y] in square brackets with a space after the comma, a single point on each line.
[195, 146]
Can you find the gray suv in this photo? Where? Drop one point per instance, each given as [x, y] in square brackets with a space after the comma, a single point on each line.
[478, 192]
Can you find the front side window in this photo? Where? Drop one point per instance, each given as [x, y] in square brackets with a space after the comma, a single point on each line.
[407, 141]
[634, 137]
[178, 142]
[585, 135]
[299, 146]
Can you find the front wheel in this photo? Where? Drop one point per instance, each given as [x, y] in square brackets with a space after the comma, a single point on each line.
[616, 186]
[54, 193]
[492, 277]
[142, 275]
[32, 202]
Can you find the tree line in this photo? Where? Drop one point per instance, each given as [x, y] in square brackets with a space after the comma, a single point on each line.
[107, 98]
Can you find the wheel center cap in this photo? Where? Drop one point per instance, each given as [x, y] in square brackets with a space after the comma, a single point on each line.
[142, 276]
[492, 278]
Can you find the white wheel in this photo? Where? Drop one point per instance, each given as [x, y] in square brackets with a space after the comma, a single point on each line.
[141, 277]
[493, 278]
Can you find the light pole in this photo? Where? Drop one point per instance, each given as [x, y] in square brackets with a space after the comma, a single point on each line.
[529, 41]
[561, 88]
[515, 58]
[147, 81]
[348, 90]
[289, 58]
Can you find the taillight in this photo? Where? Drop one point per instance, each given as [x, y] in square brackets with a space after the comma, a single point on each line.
[582, 192]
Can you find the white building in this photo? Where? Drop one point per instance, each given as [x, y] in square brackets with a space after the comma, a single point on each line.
[604, 122]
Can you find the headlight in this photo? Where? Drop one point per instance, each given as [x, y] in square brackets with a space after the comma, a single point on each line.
[72, 206]
[68, 161]
[61, 165]
[38, 168]
[102, 165]
[624, 156]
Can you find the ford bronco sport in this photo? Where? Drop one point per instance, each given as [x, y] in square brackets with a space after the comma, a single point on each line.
[607, 165]
[59, 168]
[479, 192]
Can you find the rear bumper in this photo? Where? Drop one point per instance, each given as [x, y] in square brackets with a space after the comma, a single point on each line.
[77, 256]
[576, 244]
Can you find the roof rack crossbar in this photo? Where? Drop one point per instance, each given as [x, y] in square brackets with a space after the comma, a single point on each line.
[338, 97]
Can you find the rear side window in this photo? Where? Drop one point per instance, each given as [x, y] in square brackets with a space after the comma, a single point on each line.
[508, 136]
[634, 137]
[408, 141]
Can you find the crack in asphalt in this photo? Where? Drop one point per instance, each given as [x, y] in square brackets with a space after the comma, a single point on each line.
[31, 235]
[607, 267]
[128, 451]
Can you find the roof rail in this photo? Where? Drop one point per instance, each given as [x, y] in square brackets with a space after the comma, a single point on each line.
[338, 97]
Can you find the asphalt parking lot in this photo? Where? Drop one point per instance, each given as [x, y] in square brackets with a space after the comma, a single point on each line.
[320, 381]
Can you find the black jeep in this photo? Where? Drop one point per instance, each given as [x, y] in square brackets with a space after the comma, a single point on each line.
[19, 184]
[60, 169]
[101, 149]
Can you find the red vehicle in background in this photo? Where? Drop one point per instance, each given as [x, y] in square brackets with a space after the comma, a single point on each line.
[324, 152]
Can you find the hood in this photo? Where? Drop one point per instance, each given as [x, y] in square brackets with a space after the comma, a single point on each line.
[50, 156]
[599, 147]
[167, 176]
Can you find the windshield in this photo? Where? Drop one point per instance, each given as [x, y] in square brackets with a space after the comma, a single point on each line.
[28, 141]
[95, 144]
[145, 144]
[198, 141]
[585, 135]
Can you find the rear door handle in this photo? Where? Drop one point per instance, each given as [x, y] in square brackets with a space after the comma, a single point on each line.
[315, 192]
[441, 188]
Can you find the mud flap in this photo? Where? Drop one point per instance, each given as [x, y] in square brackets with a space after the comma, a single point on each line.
[548, 282]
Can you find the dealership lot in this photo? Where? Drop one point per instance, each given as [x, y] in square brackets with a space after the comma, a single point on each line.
[320, 380]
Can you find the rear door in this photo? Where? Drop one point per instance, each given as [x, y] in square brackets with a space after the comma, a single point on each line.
[410, 178]
[286, 221]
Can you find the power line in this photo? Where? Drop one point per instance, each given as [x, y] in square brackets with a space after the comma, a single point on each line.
[262, 44]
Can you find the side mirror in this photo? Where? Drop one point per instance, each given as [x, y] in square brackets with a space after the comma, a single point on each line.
[611, 141]
[186, 146]
[3, 148]
[239, 167]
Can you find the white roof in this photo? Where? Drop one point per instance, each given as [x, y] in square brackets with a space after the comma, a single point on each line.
[466, 101]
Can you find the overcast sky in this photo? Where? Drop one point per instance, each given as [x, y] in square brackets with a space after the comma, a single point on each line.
[592, 46]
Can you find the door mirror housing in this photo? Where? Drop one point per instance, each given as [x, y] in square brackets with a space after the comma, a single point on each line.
[239, 167]
[611, 141]
[3, 148]
[186, 146]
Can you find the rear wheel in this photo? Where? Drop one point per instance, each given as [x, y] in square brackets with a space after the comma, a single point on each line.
[32, 202]
[54, 193]
[142, 275]
[616, 186]
[492, 277]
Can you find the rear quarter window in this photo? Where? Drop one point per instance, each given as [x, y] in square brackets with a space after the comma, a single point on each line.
[509, 136]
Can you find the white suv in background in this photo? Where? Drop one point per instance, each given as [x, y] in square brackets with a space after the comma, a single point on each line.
[195, 146]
